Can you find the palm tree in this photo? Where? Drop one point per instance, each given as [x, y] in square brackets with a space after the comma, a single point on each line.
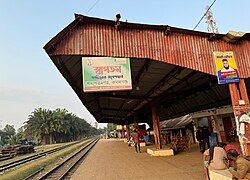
[10, 130]
[56, 126]
[60, 124]
[7, 133]
[12, 140]
[38, 125]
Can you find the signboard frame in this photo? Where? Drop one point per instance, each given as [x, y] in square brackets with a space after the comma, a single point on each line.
[226, 67]
[106, 74]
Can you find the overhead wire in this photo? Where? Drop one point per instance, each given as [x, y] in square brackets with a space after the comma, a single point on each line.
[204, 14]
[96, 2]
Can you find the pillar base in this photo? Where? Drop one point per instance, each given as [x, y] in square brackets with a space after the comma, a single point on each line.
[142, 144]
[161, 152]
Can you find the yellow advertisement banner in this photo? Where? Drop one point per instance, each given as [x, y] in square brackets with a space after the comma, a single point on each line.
[226, 67]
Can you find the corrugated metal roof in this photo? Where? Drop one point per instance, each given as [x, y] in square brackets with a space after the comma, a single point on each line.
[186, 48]
[176, 123]
[179, 71]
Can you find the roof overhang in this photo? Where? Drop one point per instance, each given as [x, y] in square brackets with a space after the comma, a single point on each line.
[174, 69]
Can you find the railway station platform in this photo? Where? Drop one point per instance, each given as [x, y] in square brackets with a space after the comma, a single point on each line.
[113, 159]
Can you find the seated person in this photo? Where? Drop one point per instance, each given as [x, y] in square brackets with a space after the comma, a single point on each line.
[214, 158]
[242, 165]
[228, 147]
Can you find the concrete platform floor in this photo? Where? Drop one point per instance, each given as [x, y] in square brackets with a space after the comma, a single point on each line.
[113, 159]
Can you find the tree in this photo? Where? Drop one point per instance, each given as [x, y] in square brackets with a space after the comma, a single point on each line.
[7, 134]
[19, 135]
[110, 127]
[50, 126]
[13, 140]
[9, 130]
[39, 125]
[2, 138]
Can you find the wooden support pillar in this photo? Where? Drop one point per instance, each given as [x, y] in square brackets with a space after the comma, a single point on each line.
[243, 91]
[234, 93]
[239, 92]
[156, 126]
[136, 126]
[171, 136]
[123, 132]
[128, 131]
[244, 96]
[180, 133]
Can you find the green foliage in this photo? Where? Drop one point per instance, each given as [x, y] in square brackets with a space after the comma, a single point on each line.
[7, 135]
[53, 126]
[19, 135]
[110, 127]
[9, 130]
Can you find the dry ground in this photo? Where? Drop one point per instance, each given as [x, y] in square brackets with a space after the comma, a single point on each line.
[113, 159]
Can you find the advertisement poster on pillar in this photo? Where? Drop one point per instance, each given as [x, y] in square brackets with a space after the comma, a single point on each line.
[106, 74]
[226, 67]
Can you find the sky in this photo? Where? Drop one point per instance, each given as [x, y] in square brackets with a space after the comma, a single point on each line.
[29, 80]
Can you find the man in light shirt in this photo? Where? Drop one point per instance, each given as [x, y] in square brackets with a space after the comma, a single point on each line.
[242, 165]
[226, 66]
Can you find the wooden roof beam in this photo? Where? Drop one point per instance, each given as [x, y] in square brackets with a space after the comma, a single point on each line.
[200, 107]
[175, 70]
[143, 69]
[113, 109]
[117, 96]
[183, 94]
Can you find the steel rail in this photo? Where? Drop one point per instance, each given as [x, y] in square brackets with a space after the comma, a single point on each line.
[58, 173]
[33, 157]
[34, 174]
[3, 158]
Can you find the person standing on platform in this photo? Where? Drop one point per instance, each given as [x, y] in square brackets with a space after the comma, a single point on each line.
[205, 139]
[146, 137]
[198, 137]
[135, 137]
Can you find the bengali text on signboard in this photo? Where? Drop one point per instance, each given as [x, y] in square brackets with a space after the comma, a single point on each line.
[106, 74]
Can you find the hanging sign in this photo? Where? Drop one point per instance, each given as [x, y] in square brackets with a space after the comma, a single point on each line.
[106, 74]
[226, 67]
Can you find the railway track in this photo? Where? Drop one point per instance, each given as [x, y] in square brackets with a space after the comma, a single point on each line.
[3, 158]
[13, 164]
[65, 169]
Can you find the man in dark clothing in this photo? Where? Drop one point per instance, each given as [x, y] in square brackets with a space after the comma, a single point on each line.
[205, 138]
[135, 137]
[198, 136]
